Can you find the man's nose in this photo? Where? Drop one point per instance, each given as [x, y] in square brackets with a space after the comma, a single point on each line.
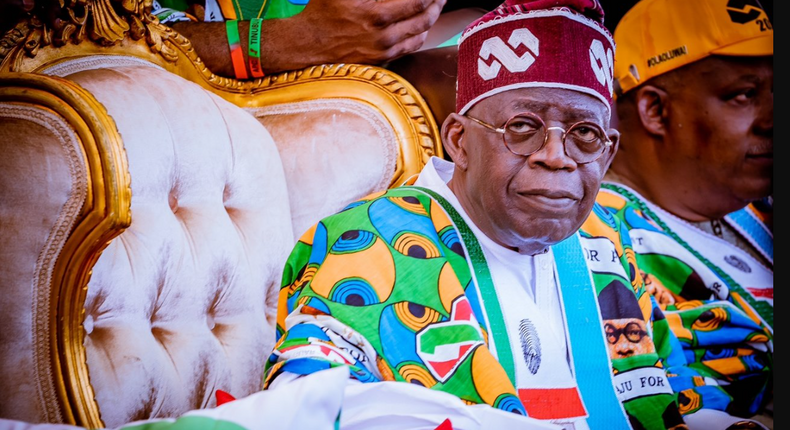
[764, 121]
[623, 344]
[552, 154]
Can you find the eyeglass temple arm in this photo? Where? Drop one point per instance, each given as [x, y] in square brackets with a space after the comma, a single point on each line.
[486, 125]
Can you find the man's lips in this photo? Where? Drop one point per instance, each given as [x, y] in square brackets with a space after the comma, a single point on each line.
[550, 199]
[761, 151]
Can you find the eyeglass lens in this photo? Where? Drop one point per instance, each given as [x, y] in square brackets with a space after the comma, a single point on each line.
[632, 332]
[525, 134]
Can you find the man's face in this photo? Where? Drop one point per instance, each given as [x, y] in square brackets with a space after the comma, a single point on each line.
[721, 133]
[627, 337]
[531, 202]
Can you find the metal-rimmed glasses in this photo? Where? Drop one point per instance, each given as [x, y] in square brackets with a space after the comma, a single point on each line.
[525, 134]
[632, 331]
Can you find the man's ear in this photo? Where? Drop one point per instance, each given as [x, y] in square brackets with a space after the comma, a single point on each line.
[653, 108]
[453, 140]
[614, 136]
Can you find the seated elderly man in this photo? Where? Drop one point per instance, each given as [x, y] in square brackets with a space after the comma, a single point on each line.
[474, 279]
[691, 179]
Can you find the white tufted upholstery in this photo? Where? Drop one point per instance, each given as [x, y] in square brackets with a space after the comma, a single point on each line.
[182, 303]
[37, 209]
[183, 298]
[347, 141]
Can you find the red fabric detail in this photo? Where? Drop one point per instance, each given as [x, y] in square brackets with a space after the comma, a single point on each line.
[463, 311]
[223, 397]
[564, 56]
[445, 425]
[590, 8]
[445, 367]
[552, 403]
[762, 292]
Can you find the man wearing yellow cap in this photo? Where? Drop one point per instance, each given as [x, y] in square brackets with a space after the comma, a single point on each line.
[692, 180]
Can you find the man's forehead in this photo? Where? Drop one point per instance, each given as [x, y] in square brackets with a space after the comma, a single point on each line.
[568, 103]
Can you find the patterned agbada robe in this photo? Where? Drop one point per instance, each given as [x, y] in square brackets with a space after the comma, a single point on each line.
[723, 327]
[385, 287]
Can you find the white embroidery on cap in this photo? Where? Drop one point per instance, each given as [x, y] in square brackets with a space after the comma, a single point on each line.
[507, 57]
[602, 63]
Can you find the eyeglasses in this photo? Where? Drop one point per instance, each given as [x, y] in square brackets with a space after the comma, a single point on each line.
[632, 331]
[526, 133]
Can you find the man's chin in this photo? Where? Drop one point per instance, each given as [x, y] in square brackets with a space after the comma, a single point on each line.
[545, 232]
[755, 189]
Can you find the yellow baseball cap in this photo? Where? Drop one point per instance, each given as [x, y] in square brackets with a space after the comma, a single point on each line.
[657, 36]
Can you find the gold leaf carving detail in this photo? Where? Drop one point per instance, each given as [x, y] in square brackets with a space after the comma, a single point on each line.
[107, 27]
[105, 22]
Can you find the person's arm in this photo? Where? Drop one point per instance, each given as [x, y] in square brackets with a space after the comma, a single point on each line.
[326, 31]
[377, 288]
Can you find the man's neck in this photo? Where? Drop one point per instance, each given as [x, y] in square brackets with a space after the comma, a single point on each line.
[670, 200]
[484, 224]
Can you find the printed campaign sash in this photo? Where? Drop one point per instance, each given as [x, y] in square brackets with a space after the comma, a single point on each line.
[589, 354]
[747, 223]
[591, 362]
[763, 308]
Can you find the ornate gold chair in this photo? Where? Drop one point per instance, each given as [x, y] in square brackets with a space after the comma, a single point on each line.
[147, 207]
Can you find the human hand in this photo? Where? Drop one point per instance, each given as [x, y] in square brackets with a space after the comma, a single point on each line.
[357, 31]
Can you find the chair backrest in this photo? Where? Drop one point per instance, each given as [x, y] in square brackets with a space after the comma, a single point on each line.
[147, 207]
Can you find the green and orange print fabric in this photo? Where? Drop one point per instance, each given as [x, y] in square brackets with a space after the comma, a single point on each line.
[385, 288]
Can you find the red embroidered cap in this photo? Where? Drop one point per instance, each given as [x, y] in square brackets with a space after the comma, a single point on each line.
[536, 43]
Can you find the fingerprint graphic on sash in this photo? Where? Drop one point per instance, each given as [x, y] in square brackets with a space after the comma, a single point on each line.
[530, 345]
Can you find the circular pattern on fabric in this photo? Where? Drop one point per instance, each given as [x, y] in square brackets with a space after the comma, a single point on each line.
[315, 306]
[319, 245]
[373, 265]
[710, 320]
[630, 258]
[688, 401]
[489, 378]
[416, 316]
[293, 290]
[510, 403]
[305, 275]
[295, 300]
[416, 246]
[718, 353]
[689, 304]
[676, 324]
[604, 215]
[384, 369]
[450, 239]
[353, 241]
[754, 361]
[411, 204]
[354, 292]
[636, 221]
[758, 337]
[402, 344]
[352, 205]
[418, 375]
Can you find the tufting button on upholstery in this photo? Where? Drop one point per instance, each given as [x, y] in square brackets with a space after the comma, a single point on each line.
[88, 324]
[173, 201]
